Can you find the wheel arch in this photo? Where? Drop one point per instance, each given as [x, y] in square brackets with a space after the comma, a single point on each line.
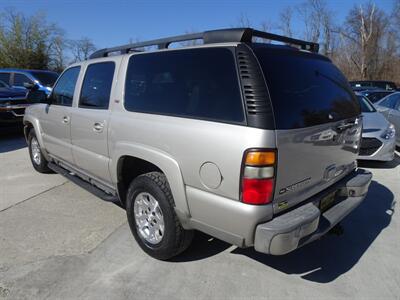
[139, 159]
[33, 123]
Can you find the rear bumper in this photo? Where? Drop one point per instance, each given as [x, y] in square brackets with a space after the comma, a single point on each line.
[307, 223]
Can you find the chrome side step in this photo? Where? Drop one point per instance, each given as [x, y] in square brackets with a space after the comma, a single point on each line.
[84, 184]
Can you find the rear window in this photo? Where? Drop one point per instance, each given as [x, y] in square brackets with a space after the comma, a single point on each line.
[305, 89]
[195, 83]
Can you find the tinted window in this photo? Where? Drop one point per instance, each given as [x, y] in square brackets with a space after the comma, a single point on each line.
[198, 83]
[305, 89]
[63, 92]
[365, 105]
[385, 85]
[45, 78]
[5, 77]
[374, 97]
[389, 101]
[3, 84]
[96, 86]
[20, 79]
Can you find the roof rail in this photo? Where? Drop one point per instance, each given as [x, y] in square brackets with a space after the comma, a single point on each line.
[244, 35]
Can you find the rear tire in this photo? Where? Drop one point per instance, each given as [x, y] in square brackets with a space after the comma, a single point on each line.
[152, 218]
[39, 162]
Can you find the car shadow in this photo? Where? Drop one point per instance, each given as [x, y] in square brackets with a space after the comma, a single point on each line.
[328, 258]
[202, 246]
[373, 164]
[11, 139]
[323, 260]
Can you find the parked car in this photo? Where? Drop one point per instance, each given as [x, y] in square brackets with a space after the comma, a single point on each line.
[378, 136]
[12, 104]
[385, 85]
[390, 108]
[374, 95]
[7, 92]
[19, 78]
[212, 137]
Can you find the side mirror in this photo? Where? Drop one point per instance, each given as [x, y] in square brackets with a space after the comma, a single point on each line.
[31, 86]
[36, 96]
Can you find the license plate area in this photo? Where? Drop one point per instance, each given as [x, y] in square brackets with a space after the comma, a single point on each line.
[327, 201]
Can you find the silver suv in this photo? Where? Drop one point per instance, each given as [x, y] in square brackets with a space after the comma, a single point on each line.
[251, 142]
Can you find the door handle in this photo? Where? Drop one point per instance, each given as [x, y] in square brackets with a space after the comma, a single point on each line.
[344, 126]
[65, 120]
[98, 127]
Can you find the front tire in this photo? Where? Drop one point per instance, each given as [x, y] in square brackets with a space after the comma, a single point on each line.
[152, 218]
[39, 162]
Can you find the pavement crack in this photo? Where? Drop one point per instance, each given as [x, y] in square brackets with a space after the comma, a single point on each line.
[34, 196]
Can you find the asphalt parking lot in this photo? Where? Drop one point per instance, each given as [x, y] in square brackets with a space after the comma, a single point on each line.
[59, 241]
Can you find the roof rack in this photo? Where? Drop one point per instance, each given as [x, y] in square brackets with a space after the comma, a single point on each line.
[244, 35]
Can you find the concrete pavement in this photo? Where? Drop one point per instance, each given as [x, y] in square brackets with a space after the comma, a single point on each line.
[58, 241]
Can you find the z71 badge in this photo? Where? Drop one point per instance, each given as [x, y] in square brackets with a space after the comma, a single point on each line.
[295, 186]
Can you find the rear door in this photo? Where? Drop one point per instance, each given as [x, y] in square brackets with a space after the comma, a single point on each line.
[90, 121]
[317, 119]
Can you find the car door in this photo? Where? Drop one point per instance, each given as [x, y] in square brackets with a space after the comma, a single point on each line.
[90, 121]
[56, 119]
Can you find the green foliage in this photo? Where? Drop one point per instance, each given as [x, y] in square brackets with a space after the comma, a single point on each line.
[25, 41]
[30, 42]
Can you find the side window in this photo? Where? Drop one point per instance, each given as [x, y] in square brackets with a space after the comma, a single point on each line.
[397, 101]
[5, 77]
[389, 102]
[96, 87]
[374, 97]
[197, 83]
[20, 79]
[63, 92]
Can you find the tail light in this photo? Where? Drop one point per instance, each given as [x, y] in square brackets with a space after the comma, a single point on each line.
[258, 177]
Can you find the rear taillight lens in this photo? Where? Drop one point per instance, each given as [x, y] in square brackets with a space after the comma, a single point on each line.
[258, 177]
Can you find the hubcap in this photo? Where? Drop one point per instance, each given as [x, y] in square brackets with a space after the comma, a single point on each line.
[149, 218]
[35, 149]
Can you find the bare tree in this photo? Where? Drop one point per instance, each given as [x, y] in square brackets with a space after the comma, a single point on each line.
[318, 24]
[285, 18]
[363, 34]
[82, 48]
[58, 56]
[312, 19]
[244, 21]
[396, 17]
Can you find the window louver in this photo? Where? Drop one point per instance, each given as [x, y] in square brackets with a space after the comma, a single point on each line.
[255, 92]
